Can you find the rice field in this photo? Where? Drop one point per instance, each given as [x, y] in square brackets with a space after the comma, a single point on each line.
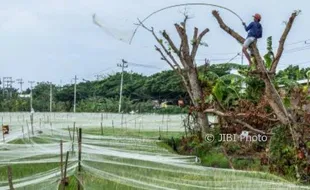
[117, 152]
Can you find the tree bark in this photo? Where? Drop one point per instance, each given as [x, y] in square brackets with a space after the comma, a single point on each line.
[185, 67]
[271, 93]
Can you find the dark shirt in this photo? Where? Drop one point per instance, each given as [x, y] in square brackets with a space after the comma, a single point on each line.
[254, 30]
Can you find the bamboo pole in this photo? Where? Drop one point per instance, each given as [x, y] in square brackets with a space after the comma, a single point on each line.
[73, 137]
[101, 128]
[10, 178]
[69, 133]
[113, 126]
[61, 161]
[80, 156]
[65, 172]
[51, 127]
[31, 123]
[122, 120]
[40, 124]
[28, 130]
[23, 132]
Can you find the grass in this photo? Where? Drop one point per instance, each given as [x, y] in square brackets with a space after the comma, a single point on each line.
[113, 172]
[134, 133]
[25, 170]
[38, 140]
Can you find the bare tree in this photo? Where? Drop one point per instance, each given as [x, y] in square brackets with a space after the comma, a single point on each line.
[181, 59]
[271, 94]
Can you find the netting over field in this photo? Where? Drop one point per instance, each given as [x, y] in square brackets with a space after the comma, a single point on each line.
[131, 160]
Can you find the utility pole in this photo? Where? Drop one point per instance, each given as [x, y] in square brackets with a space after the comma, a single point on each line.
[20, 82]
[123, 65]
[74, 103]
[51, 96]
[31, 82]
[242, 58]
[7, 86]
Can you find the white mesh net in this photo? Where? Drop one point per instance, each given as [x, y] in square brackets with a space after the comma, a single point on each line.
[110, 161]
[119, 28]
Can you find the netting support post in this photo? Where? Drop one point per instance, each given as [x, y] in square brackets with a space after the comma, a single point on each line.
[61, 161]
[73, 137]
[101, 128]
[31, 123]
[10, 178]
[69, 133]
[64, 181]
[80, 155]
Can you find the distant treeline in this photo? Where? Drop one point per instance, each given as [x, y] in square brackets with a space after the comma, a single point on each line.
[139, 92]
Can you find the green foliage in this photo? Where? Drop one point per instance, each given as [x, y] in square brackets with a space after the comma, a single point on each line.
[282, 154]
[269, 56]
[293, 73]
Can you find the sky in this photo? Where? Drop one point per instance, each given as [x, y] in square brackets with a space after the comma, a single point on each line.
[54, 40]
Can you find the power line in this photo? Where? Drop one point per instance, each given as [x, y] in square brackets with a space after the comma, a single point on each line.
[144, 65]
[289, 44]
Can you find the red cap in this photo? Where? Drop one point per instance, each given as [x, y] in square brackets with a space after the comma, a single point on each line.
[257, 16]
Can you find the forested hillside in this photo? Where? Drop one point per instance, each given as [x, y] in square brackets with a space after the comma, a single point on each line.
[138, 92]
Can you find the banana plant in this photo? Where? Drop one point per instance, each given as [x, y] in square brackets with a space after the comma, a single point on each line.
[269, 56]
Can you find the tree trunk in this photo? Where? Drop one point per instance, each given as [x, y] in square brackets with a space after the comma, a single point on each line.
[198, 100]
[203, 123]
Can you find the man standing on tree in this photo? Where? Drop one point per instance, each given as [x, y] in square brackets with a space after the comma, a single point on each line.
[255, 31]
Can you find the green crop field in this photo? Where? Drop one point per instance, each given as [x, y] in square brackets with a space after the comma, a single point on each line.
[117, 157]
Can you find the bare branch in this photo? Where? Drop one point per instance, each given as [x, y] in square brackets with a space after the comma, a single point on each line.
[164, 57]
[184, 45]
[167, 37]
[250, 127]
[162, 45]
[232, 119]
[282, 42]
[196, 41]
[230, 31]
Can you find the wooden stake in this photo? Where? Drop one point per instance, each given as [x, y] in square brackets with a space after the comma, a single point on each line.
[80, 148]
[65, 172]
[51, 127]
[80, 155]
[122, 120]
[40, 124]
[31, 122]
[101, 128]
[23, 132]
[113, 126]
[61, 162]
[69, 133]
[126, 122]
[28, 130]
[73, 137]
[10, 178]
